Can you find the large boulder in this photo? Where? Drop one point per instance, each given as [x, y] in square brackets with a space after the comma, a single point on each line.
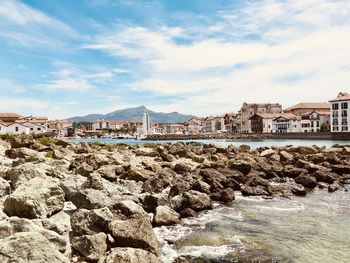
[191, 199]
[92, 247]
[136, 233]
[37, 198]
[306, 180]
[21, 141]
[128, 255]
[165, 216]
[240, 165]
[5, 187]
[23, 152]
[29, 247]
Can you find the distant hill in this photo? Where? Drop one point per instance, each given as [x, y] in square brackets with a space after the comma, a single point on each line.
[135, 114]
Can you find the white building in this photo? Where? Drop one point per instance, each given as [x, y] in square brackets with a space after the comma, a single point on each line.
[13, 128]
[14, 123]
[214, 124]
[286, 122]
[340, 113]
[194, 125]
[146, 124]
[315, 121]
[262, 122]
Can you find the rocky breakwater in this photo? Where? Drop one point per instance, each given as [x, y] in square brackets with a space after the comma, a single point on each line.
[207, 136]
[68, 202]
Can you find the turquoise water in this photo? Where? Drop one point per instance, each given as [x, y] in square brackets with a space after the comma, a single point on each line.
[224, 143]
[298, 230]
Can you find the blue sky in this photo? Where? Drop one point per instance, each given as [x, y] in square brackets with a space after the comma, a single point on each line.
[65, 58]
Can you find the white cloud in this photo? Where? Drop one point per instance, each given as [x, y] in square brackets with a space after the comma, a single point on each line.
[22, 104]
[301, 52]
[24, 25]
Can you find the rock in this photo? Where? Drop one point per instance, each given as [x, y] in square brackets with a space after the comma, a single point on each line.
[299, 190]
[90, 199]
[241, 166]
[38, 198]
[333, 187]
[201, 186]
[325, 176]
[306, 180]
[292, 172]
[182, 168]
[151, 202]
[72, 184]
[191, 199]
[188, 212]
[136, 233]
[128, 255]
[179, 187]
[25, 172]
[227, 195]
[84, 170]
[108, 172]
[28, 154]
[340, 169]
[5, 187]
[127, 209]
[92, 247]
[138, 175]
[21, 141]
[252, 191]
[285, 156]
[85, 222]
[268, 153]
[157, 183]
[83, 147]
[165, 216]
[29, 247]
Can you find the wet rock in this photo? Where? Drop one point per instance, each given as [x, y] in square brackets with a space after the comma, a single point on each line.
[227, 195]
[151, 202]
[188, 212]
[191, 199]
[157, 183]
[136, 233]
[333, 187]
[179, 187]
[165, 216]
[38, 198]
[325, 176]
[200, 186]
[29, 247]
[252, 191]
[299, 190]
[306, 180]
[128, 255]
[92, 247]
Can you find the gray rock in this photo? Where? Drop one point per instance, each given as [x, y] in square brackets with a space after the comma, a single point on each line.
[165, 216]
[191, 199]
[136, 233]
[92, 247]
[5, 187]
[37, 198]
[128, 255]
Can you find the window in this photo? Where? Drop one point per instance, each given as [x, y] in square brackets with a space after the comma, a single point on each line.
[335, 121]
[344, 113]
[39, 129]
[335, 114]
[344, 121]
[344, 105]
[31, 129]
[335, 128]
[335, 106]
[318, 124]
[16, 129]
[344, 128]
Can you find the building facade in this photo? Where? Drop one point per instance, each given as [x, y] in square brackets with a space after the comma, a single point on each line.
[340, 113]
[286, 123]
[14, 123]
[249, 109]
[315, 121]
[307, 107]
[262, 122]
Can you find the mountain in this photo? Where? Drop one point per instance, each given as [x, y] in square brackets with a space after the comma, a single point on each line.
[135, 114]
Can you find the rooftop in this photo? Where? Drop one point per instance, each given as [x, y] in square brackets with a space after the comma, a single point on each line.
[9, 115]
[309, 105]
[342, 96]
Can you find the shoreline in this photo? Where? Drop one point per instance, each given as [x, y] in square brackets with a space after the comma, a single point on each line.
[108, 186]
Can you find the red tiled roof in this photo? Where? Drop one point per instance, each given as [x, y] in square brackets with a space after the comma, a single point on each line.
[9, 115]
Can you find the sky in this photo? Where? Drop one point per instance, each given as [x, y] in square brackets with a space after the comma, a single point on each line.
[202, 57]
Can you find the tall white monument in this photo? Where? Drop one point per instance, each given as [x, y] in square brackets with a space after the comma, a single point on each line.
[146, 124]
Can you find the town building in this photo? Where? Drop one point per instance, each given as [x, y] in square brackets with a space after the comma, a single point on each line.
[315, 121]
[174, 128]
[340, 116]
[194, 126]
[249, 109]
[214, 124]
[59, 127]
[230, 122]
[307, 107]
[14, 123]
[286, 122]
[262, 122]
